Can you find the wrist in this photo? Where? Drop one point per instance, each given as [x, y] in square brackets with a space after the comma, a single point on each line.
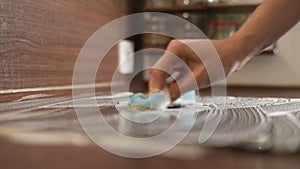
[232, 54]
[238, 48]
[230, 48]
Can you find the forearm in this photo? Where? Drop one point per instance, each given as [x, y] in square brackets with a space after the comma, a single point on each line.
[267, 24]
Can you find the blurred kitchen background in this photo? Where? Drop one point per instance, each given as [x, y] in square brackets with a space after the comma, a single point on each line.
[277, 66]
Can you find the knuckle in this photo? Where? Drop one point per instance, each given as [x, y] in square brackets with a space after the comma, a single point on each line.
[154, 72]
[175, 46]
[175, 43]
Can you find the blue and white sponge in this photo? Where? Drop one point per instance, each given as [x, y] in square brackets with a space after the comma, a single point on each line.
[157, 100]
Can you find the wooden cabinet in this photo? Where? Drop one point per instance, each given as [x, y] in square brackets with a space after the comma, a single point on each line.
[40, 40]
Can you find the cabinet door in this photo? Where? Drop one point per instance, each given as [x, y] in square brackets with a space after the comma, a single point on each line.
[40, 40]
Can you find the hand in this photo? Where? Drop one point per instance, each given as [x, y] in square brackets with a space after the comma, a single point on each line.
[199, 62]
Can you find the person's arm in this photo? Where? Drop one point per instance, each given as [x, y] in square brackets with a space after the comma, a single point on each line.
[271, 20]
[267, 24]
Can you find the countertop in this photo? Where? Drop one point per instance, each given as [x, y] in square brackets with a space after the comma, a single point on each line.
[19, 150]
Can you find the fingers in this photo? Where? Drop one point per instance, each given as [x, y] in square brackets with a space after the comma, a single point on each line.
[182, 59]
[157, 80]
[172, 60]
[163, 68]
[181, 86]
[197, 61]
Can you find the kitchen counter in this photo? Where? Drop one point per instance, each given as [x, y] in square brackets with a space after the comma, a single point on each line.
[31, 146]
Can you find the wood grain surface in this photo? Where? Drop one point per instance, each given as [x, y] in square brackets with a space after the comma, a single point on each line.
[41, 39]
[75, 154]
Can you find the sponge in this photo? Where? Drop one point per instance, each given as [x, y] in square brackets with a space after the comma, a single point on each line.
[157, 100]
